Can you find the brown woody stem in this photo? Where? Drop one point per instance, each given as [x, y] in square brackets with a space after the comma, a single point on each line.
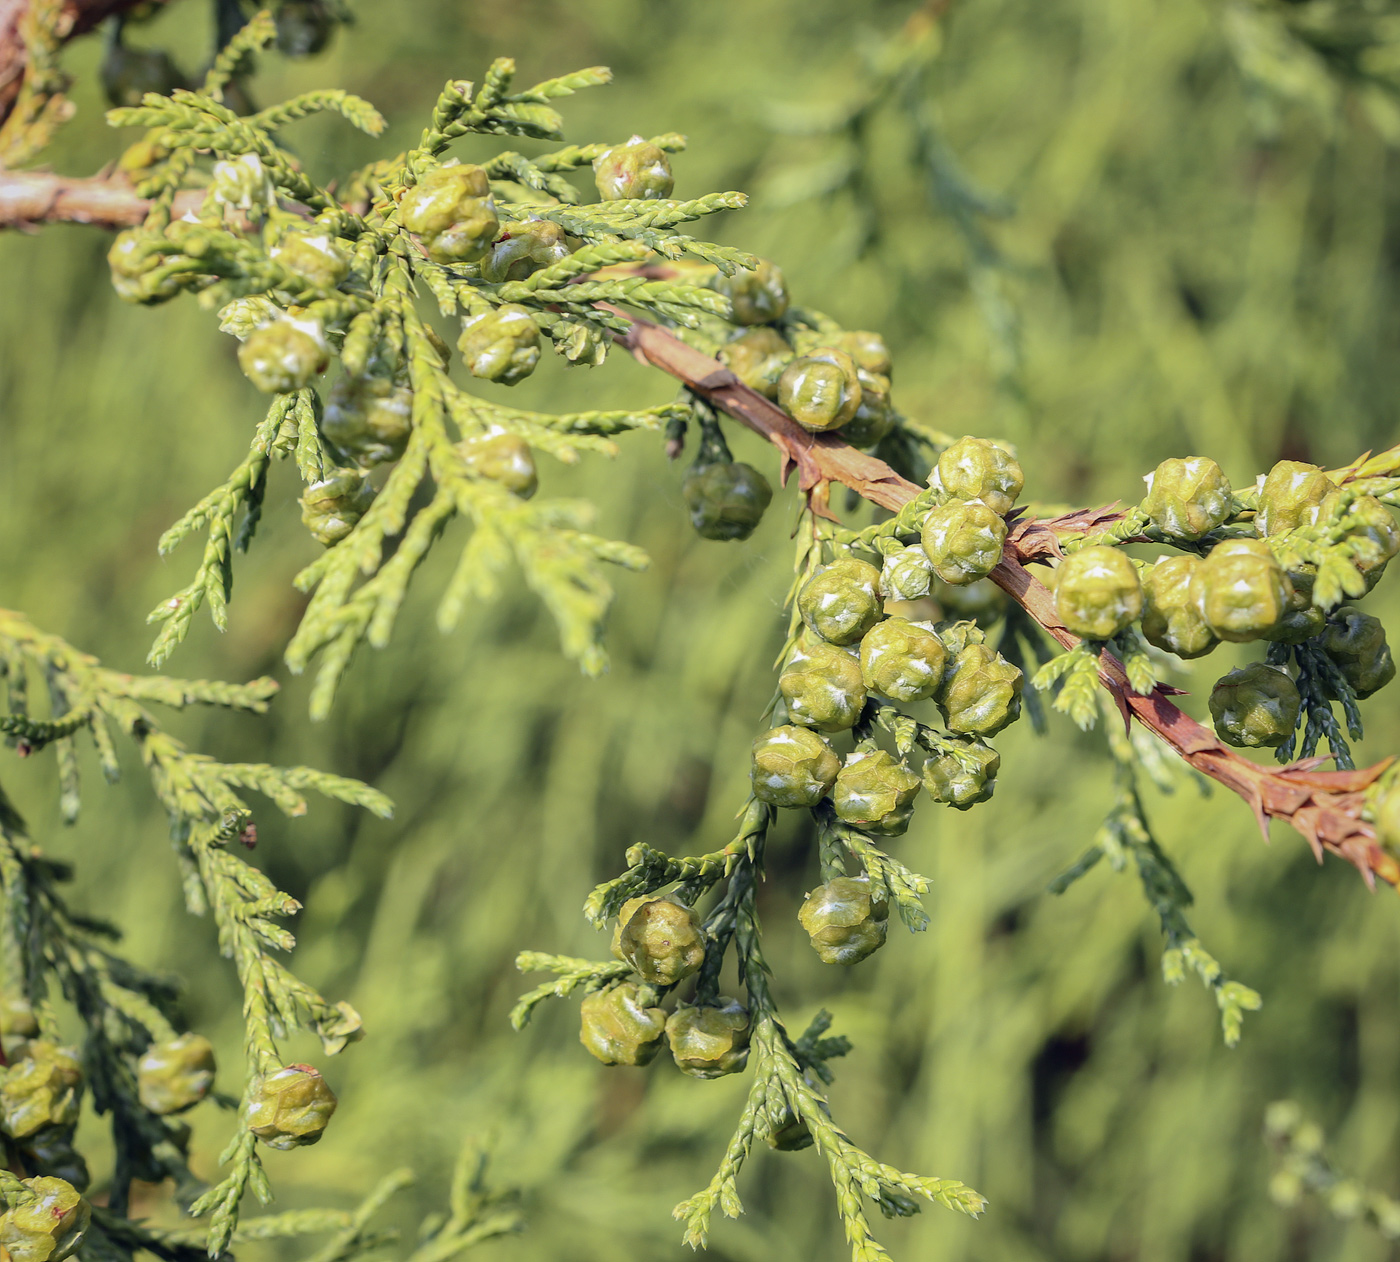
[1324, 806]
[36, 197]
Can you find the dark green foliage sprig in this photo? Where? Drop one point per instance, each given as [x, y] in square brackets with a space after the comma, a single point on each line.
[369, 317]
[48, 949]
[1126, 834]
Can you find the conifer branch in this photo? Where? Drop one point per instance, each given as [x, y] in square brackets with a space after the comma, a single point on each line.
[1324, 806]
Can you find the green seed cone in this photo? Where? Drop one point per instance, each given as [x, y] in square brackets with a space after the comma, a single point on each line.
[290, 1107]
[368, 419]
[963, 541]
[660, 938]
[503, 458]
[280, 357]
[726, 500]
[501, 345]
[867, 349]
[1290, 496]
[1097, 593]
[175, 1075]
[523, 248]
[792, 767]
[983, 694]
[46, 1223]
[820, 391]
[906, 575]
[634, 170]
[42, 1089]
[846, 920]
[619, 1029]
[977, 469]
[902, 660]
[758, 297]
[330, 508]
[841, 601]
[1188, 498]
[1171, 618]
[1254, 706]
[711, 1040]
[875, 792]
[1356, 642]
[964, 778]
[823, 688]
[1241, 590]
[757, 357]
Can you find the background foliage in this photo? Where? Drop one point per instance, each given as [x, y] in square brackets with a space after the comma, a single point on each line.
[1192, 264]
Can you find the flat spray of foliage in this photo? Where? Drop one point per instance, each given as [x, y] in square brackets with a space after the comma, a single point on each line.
[929, 606]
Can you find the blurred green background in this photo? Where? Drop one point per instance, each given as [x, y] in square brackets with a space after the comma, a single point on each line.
[1192, 266]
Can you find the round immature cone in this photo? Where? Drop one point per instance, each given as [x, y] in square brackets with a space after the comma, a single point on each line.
[757, 357]
[1171, 617]
[963, 541]
[619, 1029]
[501, 345]
[875, 417]
[965, 778]
[710, 1040]
[1097, 593]
[41, 1090]
[330, 508]
[314, 256]
[867, 349]
[660, 938]
[876, 793]
[841, 601]
[1188, 498]
[504, 458]
[758, 297]
[289, 1107]
[1356, 642]
[175, 1075]
[846, 920]
[368, 419]
[282, 356]
[1290, 496]
[636, 169]
[823, 688]
[983, 693]
[726, 500]
[46, 1222]
[304, 27]
[451, 211]
[1255, 705]
[902, 660]
[792, 766]
[976, 469]
[1241, 590]
[905, 575]
[523, 249]
[820, 391]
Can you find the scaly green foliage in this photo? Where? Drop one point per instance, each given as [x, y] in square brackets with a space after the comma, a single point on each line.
[1158, 880]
